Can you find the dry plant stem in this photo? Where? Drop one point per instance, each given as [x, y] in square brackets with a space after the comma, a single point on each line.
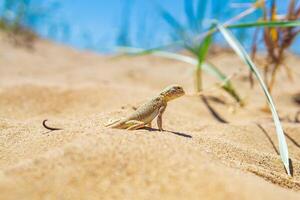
[198, 79]
[266, 70]
[297, 120]
[48, 127]
[289, 72]
[291, 9]
[277, 41]
[273, 78]
[297, 15]
[253, 54]
[276, 67]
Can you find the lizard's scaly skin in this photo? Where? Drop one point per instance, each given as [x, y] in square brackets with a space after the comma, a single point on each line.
[145, 114]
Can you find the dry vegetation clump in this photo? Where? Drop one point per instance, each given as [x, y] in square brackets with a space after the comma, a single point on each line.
[18, 34]
[276, 40]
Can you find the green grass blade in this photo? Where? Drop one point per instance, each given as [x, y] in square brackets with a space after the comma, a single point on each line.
[241, 52]
[165, 54]
[132, 51]
[266, 24]
[207, 67]
[203, 49]
[180, 42]
[201, 54]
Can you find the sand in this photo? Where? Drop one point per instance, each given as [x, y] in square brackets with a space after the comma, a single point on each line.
[196, 158]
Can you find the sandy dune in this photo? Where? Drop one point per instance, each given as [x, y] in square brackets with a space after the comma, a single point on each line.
[197, 158]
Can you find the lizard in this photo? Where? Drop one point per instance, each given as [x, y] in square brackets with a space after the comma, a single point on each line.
[146, 113]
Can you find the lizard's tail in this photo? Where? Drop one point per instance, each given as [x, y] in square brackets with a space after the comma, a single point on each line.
[109, 124]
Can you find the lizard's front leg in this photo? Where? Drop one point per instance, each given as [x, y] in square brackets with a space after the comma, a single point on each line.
[159, 117]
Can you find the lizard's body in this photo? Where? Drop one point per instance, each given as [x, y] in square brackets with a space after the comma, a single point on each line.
[146, 113]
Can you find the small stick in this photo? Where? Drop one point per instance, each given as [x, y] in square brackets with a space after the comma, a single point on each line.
[50, 128]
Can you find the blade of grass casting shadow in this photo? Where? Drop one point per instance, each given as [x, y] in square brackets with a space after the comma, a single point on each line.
[241, 52]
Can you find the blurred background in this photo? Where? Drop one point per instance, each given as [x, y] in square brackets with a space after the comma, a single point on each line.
[100, 25]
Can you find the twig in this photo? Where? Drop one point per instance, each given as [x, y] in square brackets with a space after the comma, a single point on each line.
[50, 128]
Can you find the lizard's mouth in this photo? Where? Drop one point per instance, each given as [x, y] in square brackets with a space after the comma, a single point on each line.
[179, 94]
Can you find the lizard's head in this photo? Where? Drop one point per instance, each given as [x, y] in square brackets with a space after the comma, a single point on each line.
[172, 92]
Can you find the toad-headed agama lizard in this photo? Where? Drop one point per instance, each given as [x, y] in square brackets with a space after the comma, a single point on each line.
[145, 114]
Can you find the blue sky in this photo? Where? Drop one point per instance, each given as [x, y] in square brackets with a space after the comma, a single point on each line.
[96, 24]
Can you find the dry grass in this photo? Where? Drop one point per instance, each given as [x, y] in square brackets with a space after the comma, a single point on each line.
[277, 41]
[18, 35]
